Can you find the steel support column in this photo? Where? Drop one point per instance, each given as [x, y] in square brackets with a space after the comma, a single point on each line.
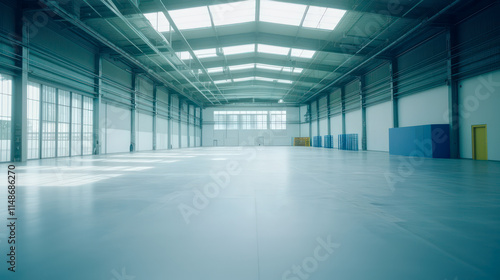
[393, 66]
[155, 115]
[97, 105]
[453, 110]
[133, 121]
[19, 144]
[342, 100]
[363, 113]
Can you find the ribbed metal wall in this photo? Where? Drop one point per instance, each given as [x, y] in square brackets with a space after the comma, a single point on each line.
[424, 67]
[336, 102]
[352, 91]
[377, 87]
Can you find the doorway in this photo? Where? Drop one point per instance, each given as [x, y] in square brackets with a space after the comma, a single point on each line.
[479, 142]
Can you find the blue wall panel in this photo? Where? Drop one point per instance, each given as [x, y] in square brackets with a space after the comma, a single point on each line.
[420, 141]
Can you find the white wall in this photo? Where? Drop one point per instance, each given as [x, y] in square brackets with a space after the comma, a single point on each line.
[427, 107]
[191, 136]
[314, 128]
[144, 132]
[378, 122]
[184, 137]
[250, 137]
[336, 129]
[479, 103]
[304, 130]
[118, 124]
[323, 127]
[353, 124]
[161, 133]
[175, 134]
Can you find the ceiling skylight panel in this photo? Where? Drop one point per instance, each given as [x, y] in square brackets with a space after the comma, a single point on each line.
[294, 70]
[205, 53]
[232, 13]
[244, 79]
[303, 53]
[215, 70]
[159, 21]
[239, 49]
[222, 82]
[191, 18]
[264, 79]
[269, 67]
[273, 49]
[241, 67]
[282, 13]
[184, 55]
[323, 18]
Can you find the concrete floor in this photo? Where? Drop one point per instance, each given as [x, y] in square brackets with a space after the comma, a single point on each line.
[285, 213]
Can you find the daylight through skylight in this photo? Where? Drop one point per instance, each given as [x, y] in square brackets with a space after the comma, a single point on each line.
[232, 13]
[239, 49]
[272, 49]
[241, 67]
[302, 53]
[282, 13]
[323, 18]
[215, 70]
[191, 18]
[159, 21]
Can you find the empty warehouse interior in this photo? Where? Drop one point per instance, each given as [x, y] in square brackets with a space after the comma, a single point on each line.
[249, 139]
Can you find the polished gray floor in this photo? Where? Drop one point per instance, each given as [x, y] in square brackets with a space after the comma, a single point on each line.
[254, 214]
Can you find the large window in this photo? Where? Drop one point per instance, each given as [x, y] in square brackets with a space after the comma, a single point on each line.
[48, 122]
[249, 120]
[278, 120]
[76, 125]
[254, 120]
[33, 121]
[220, 120]
[60, 123]
[63, 123]
[87, 125]
[5, 116]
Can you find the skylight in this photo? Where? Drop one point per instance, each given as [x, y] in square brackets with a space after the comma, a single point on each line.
[282, 13]
[279, 68]
[215, 70]
[269, 67]
[199, 53]
[159, 21]
[244, 79]
[239, 49]
[241, 67]
[302, 53]
[183, 55]
[273, 80]
[191, 18]
[205, 53]
[323, 18]
[222, 81]
[272, 49]
[232, 13]
[294, 70]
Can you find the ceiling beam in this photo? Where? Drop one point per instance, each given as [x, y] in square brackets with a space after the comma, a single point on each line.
[262, 73]
[268, 39]
[263, 60]
[388, 8]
